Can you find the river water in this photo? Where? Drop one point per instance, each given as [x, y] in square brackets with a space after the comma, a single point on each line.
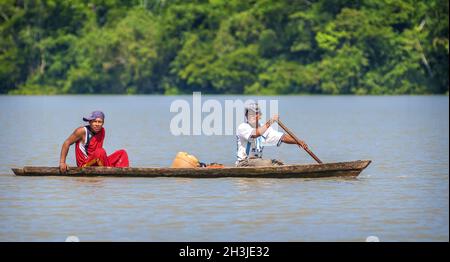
[402, 196]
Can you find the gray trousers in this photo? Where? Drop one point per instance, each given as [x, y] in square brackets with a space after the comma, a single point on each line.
[259, 162]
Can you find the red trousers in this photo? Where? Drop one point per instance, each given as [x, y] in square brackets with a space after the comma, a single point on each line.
[116, 159]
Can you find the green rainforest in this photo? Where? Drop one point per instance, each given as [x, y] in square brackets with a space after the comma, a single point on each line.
[264, 47]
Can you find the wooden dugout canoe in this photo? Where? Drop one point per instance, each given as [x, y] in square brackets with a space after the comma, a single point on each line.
[341, 169]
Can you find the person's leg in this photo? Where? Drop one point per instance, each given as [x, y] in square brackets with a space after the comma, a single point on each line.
[242, 163]
[119, 159]
[97, 158]
[255, 162]
[276, 162]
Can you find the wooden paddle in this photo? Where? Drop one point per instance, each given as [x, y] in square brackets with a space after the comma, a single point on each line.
[298, 142]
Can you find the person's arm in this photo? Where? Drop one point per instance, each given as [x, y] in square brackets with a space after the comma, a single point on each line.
[74, 137]
[290, 140]
[259, 131]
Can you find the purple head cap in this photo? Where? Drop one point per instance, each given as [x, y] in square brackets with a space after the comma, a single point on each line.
[94, 115]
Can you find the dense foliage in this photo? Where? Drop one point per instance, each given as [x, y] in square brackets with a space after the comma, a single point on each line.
[224, 46]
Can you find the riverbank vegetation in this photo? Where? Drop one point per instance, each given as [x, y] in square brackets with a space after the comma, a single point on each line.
[224, 47]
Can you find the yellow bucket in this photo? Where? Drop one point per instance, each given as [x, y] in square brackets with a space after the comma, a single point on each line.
[184, 160]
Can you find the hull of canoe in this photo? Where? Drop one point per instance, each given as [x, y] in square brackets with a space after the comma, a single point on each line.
[341, 169]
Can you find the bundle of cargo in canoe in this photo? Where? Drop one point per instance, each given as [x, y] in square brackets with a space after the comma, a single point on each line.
[340, 169]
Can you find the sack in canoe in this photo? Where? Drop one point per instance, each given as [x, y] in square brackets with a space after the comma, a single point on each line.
[184, 160]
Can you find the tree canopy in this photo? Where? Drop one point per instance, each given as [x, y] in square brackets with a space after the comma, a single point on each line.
[224, 47]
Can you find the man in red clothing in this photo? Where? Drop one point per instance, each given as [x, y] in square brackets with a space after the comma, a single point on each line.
[89, 146]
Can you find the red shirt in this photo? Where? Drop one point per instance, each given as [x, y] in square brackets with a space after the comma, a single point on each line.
[95, 142]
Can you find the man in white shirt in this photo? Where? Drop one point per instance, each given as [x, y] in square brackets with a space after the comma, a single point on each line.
[251, 139]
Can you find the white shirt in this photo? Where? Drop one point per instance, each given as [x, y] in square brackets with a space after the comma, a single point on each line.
[248, 146]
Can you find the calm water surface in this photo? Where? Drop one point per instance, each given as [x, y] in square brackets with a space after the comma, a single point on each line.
[402, 196]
